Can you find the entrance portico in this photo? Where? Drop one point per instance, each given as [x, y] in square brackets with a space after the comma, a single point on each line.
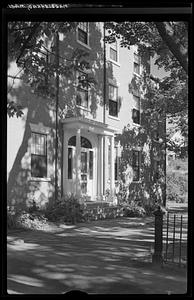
[85, 157]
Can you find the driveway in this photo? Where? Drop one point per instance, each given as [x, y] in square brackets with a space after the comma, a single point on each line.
[103, 257]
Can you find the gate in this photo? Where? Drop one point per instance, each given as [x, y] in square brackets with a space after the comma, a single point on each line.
[175, 239]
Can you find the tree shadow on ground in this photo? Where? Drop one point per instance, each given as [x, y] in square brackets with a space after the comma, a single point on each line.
[96, 258]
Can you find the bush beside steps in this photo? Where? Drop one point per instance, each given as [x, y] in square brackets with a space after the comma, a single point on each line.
[70, 210]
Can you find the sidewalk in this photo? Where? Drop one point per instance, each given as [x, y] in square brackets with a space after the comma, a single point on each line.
[103, 257]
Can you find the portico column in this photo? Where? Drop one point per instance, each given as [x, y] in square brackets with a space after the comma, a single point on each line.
[65, 160]
[112, 166]
[106, 171]
[78, 162]
[100, 165]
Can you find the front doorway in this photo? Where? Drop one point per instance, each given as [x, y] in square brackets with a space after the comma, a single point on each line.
[86, 165]
[86, 171]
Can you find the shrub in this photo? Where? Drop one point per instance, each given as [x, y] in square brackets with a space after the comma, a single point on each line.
[67, 209]
[133, 210]
[11, 220]
[176, 189]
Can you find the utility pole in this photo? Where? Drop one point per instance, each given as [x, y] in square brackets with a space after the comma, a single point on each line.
[56, 115]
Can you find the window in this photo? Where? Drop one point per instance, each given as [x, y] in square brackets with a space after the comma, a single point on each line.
[39, 155]
[116, 164]
[136, 165]
[136, 63]
[114, 51]
[82, 90]
[85, 143]
[91, 164]
[83, 33]
[113, 103]
[136, 110]
[70, 160]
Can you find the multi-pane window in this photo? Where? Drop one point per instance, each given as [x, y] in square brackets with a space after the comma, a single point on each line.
[70, 163]
[136, 165]
[136, 63]
[82, 90]
[39, 155]
[91, 164]
[136, 110]
[116, 164]
[113, 100]
[83, 32]
[113, 51]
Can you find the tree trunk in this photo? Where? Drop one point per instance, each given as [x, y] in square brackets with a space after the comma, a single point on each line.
[174, 45]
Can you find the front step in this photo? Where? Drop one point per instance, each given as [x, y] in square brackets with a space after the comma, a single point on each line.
[94, 204]
[99, 210]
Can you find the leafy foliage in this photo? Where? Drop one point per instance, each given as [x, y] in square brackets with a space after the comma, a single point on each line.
[133, 210]
[150, 40]
[67, 209]
[170, 98]
[177, 181]
[33, 45]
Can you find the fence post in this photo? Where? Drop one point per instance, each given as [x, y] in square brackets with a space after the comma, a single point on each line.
[157, 255]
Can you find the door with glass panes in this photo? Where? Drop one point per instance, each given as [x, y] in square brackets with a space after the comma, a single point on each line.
[87, 162]
[86, 171]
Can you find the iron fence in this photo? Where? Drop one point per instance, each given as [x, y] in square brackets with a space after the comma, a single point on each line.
[175, 239]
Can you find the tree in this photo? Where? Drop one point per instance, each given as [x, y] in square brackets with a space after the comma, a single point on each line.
[167, 42]
[37, 62]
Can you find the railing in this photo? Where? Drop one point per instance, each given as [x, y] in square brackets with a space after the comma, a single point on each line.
[170, 244]
[175, 239]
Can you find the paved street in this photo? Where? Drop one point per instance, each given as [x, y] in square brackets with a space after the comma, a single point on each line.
[110, 256]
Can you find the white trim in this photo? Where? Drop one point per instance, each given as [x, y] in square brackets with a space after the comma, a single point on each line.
[114, 118]
[136, 124]
[138, 75]
[84, 45]
[88, 37]
[40, 129]
[83, 107]
[114, 62]
[118, 54]
[46, 179]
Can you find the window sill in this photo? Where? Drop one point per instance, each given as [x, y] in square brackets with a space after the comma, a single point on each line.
[114, 62]
[138, 75]
[136, 124]
[40, 179]
[84, 45]
[83, 108]
[114, 118]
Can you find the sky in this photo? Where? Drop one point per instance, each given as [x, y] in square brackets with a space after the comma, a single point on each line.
[156, 72]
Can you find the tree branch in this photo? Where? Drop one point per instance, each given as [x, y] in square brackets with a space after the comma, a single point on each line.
[174, 45]
[27, 40]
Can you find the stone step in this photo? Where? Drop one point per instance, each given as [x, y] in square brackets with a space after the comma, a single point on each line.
[93, 204]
